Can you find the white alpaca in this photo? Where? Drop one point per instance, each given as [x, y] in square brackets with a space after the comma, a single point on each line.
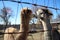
[44, 16]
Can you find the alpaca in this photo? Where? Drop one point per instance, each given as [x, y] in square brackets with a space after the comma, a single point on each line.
[55, 34]
[24, 27]
[10, 36]
[44, 16]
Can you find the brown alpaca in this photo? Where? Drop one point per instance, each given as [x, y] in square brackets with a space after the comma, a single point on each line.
[55, 34]
[24, 27]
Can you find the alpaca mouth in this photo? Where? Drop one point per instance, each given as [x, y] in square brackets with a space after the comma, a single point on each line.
[42, 18]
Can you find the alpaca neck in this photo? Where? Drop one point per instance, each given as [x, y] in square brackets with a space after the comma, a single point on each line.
[24, 26]
[46, 24]
[24, 29]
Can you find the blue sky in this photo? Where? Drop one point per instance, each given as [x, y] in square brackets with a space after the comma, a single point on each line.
[13, 6]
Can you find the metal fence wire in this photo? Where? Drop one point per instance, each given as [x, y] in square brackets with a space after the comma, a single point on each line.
[34, 35]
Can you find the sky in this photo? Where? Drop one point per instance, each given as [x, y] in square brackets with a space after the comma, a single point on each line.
[15, 19]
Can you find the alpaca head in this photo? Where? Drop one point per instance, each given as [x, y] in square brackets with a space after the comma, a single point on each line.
[43, 13]
[26, 13]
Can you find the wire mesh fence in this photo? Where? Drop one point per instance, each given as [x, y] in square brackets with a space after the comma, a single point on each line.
[38, 35]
